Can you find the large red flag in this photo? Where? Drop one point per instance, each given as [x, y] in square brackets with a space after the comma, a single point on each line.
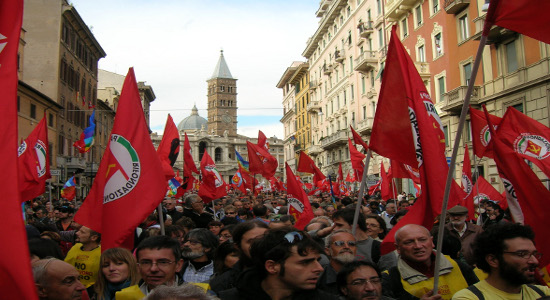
[16, 279]
[481, 135]
[129, 176]
[467, 184]
[34, 162]
[357, 163]
[340, 176]
[169, 148]
[483, 190]
[357, 139]
[529, 138]
[298, 201]
[386, 185]
[407, 129]
[523, 186]
[401, 170]
[212, 185]
[262, 140]
[189, 165]
[307, 165]
[523, 16]
[261, 161]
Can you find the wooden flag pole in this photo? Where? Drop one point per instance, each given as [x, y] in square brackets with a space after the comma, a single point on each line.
[361, 192]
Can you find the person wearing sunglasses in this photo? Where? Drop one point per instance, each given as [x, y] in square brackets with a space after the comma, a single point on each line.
[508, 254]
[341, 247]
[286, 266]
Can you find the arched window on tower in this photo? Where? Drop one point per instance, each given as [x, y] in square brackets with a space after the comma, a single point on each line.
[202, 149]
[218, 154]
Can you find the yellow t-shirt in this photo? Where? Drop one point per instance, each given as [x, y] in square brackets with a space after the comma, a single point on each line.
[85, 262]
[492, 293]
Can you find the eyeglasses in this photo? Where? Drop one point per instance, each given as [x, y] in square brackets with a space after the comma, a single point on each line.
[342, 243]
[525, 254]
[373, 280]
[293, 236]
[161, 263]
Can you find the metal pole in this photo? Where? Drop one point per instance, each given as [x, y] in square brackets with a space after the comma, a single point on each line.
[161, 219]
[361, 192]
[456, 146]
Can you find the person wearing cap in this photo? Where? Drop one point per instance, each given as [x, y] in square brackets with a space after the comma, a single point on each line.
[65, 222]
[465, 231]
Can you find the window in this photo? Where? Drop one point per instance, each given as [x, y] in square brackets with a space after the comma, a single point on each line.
[418, 15]
[404, 29]
[380, 39]
[511, 57]
[50, 120]
[519, 107]
[467, 68]
[371, 76]
[438, 45]
[441, 88]
[446, 132]
[379, 6]
[352, 93]
[351, 63]
[463, 27]
[18, 103]
[468, 131]
[33, 111]
[421, 54]
[435, 6]
[363, 85]
[364, 112]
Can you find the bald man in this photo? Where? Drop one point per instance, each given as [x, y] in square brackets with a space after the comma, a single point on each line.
[413, 277]
[56, 279]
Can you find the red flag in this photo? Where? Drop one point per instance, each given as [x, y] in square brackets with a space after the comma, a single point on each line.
[358, 140]
[307, 165]
[129, 176]
[351, 176]
[261, 161]
[375, 188]
[523, 186]
[189, 166]
[237, 181]
[340, 177]
[212, 185]
[357, 164]
[169, 148]
[529, 138]
[16, 279]
[401, 170]
[483, 190]
[298, 202]
[262, 140]
[467, 184]
[481, 136]
[523, 16]
[407, 129]
[34, 162]
[386, 185]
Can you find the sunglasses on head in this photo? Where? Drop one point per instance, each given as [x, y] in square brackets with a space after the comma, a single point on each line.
[293, 237]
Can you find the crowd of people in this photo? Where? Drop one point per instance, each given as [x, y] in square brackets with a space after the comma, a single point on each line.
[246, 247]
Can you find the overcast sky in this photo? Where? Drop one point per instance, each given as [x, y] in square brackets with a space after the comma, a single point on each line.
[174, 46]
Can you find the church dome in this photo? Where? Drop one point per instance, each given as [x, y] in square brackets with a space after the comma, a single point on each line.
[193, 122]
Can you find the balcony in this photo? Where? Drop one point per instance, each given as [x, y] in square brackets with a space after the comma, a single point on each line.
[456, 6]
[287, 113]
[298, 148]
[334, 140]
[365, 126]
[314, 150]
[366, 61]
[313, 107]
[339, 56]
[365, 29]
[396, 9]
[313, 84]
[327, 69]
[496, 33]
[423, 69]
[453, 100]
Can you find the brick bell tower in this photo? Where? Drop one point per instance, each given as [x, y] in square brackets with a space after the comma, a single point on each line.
[222, 100]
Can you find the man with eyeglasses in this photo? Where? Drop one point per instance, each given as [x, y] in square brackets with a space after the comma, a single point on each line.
[340, 246]
[360, 280]
[413, 277]
[198, 249]
[286, 266]
[159, 259]
[170, 205]
[508, 254]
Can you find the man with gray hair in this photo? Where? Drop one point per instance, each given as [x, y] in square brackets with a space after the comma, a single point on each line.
[182, 292]
[195, 211]
[340, 245]
[198, 249]
[56, 280]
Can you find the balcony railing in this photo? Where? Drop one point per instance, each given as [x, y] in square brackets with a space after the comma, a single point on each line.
[423, 69]
[313, 107]
[366, 61]
[365, 29]
[453, 100]
[314, 150]
[456, 6]
[365, 126]
[339, 56]
[335, 140]
[313, 84]
[327, 69]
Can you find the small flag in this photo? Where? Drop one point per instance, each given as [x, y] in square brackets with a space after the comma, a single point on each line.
[87, 136]
[69, 189]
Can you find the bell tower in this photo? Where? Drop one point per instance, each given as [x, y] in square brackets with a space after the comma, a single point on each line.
[222, 100]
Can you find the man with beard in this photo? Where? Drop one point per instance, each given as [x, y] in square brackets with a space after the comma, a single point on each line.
[340, 246]
[465, 231]
[413, 277]
[508, 254]
[198, 249]
[360, 280]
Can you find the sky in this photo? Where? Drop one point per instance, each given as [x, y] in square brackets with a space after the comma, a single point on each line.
[174, 46]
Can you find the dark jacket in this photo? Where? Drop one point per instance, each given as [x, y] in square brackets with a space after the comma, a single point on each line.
[226, 280]
[249, 288]
[201, 220]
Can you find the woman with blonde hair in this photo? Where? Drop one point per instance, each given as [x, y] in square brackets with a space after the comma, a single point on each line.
[118, 271]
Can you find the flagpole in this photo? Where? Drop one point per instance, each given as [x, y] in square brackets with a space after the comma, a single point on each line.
[393, 189]
[361, 192]
[476, 173]
[459, 130]
[214, 210]
[161, 219]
